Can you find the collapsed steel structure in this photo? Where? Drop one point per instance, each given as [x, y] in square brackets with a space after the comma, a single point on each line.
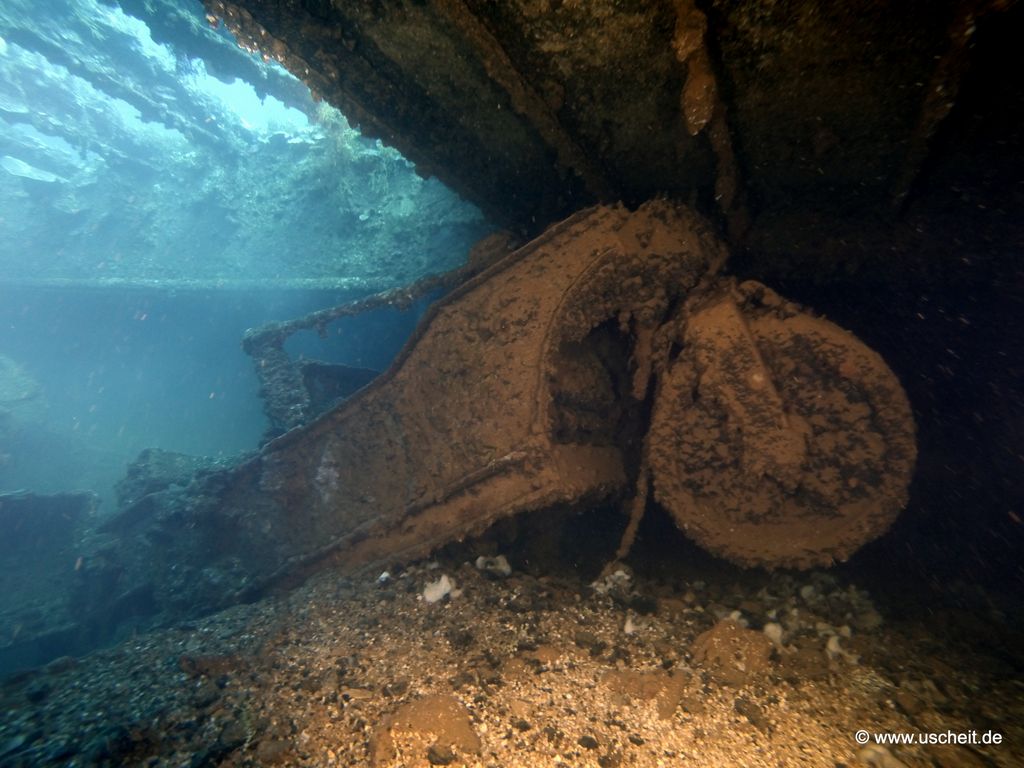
[606, 359]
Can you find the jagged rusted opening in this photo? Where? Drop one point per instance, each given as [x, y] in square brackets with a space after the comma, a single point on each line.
[586, 388]
[592, 399]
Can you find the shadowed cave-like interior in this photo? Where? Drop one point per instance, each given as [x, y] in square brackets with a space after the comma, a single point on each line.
[862, 159]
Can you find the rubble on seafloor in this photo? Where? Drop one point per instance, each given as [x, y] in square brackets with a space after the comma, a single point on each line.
[523, 670]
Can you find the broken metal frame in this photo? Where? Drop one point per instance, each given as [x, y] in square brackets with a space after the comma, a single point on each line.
[287, 401]
[607, 357]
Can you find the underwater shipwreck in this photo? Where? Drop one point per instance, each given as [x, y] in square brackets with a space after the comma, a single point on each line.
[719, 425]
[556, 376]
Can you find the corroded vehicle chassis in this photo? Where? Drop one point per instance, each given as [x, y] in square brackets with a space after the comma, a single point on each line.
[607, 358]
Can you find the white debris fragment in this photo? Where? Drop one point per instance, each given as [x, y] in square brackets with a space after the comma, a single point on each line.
[835, 651]
[496, 566]
[832, 647]
[773, 631]
[630, 626]
[619, 579]
[384, 578]
[438, 590]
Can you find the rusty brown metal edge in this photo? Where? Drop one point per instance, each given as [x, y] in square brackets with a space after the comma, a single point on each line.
[322, 422]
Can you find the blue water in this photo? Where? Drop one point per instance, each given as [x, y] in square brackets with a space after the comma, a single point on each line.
[153, 210]
[120, 371]
[126, 201]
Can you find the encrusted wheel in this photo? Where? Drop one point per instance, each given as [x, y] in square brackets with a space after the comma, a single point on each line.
[778, 439]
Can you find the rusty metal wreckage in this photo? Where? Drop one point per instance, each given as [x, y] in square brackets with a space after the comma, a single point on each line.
[610, 357]
[607, 359]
